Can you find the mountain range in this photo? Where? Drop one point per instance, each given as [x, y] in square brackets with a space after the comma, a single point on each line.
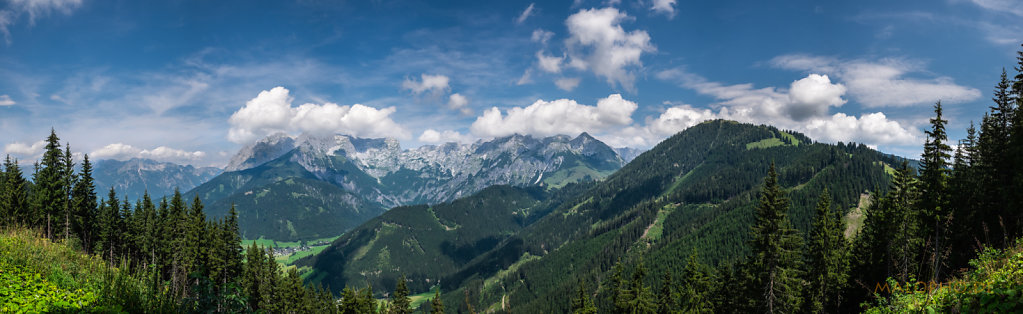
[134, 177]
[693, 193]
[309, 186]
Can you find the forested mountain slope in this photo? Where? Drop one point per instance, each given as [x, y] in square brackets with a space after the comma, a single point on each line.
[694, 191]
[427, 242]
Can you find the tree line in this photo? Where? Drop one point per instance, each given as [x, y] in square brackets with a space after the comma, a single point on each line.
[197, 264]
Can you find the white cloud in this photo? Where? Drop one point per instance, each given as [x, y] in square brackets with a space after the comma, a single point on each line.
[427, 82]
[458, 102]
[5, 100]
[567, 83]
[35, 9]
[526, 78]
[434, 137]
[271, 111]
[542, 36]
[549, 64]
[121, 151]
[1010, 6]
[25, 150]
[676, 119]
[803, 107]
[599, 43]
[525, 14]
[562, 116]
[883, 83]
[664, 6]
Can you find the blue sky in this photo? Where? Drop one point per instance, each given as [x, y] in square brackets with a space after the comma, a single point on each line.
[192, 81]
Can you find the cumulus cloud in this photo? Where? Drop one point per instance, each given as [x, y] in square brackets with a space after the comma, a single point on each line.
[803, 107]
[435, 137]
[567, 83]
[35, 9]
[5, 100]
[549, 64]
[562, 116]
[599, 43]
[458, 102]
[677, 119]
[25, 150]
[664, 6]
[271, 111]
[883, 83]
[525, 14]
[427, 82]
[121, 151]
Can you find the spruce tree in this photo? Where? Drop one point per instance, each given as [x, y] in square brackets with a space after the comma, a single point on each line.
[640, 298]
[69, 179]
[437, 305]
[827, 264]
[776, 246]
[697, 287]
[582, 304]
[83, 200]
[934, 209]
[400, 303]
[666, 302]
[50, 184]
[14, 199]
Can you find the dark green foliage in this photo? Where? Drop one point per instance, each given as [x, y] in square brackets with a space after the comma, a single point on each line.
[437, 305]
[774, 267]
[827, 259]
[696, 289]
[400, 303]
[666, 298]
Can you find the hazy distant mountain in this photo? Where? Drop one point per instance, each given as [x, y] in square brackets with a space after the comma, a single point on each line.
[380, 172]
[131, 178]
[629, 153]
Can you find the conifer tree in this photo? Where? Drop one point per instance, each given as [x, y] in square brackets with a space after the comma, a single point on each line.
[349, 301]
[696, 288]
[618, 288]
[437, 306]
[14, 199]
[83, 200]
[775, 245]
[69, 179]
[827, 264]
[934, 209]
[640, 299]
[50, 190]
[400, 303]
[666, 302]
[582, 304]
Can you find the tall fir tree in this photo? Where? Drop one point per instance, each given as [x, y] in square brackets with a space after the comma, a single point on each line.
[933, 204]
[776, 246]
[83, 200]
[697, 287]
[666, 302]
[640, 298]
[50, 190]
[14, 199]
[827, 264]
[69, 179]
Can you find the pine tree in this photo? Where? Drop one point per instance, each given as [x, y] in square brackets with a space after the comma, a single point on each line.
[827, 264]
[618, 288]
[437, 305]
[400, 303]
[349, 301]
[775, 244]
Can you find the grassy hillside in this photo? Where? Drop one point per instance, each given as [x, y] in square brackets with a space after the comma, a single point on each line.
[993, 285]
[694, 192]
[37, 275]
